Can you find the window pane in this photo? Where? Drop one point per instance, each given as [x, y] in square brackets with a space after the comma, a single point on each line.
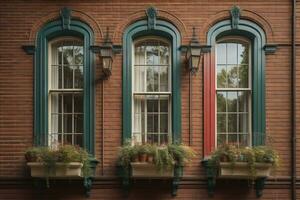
[68, 58]
[152, 138]
[78, 75]
[232, 53]
[78, 123]
[221, 139]
[221, 53]
[164, 123]
[233, 139]
[232, 123]
[68, 139]
[163, 139]
[221, 76]
[164, 104]
[78, 103]
[152, 55]
[244, 139]
[164, 55]
[221, 101]
[231, 101]
[56, 77]
[68, 103]
[243, 54]
[164, 79]
[243, 101]
[221, 121]
[78, 140]
[56, 125]
[78, 53]
[232, 76]
[68, 76]
[139, 78]
[152, 123]
[243, 123]
[243, 76]
[67, 127]
[152, 78]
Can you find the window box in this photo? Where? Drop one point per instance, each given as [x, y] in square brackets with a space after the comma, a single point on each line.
[240, 170]
[144, 170]
[61, 170]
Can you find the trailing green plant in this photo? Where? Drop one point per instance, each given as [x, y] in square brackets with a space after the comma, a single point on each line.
[63, 154]
[250, 155]
[163, 157]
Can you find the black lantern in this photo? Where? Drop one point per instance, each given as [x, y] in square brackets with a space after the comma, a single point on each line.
[194, 54]
[106, 56]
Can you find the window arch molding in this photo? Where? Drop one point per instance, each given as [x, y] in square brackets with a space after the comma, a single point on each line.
[50, 31]
[165, 30]
[251, 31]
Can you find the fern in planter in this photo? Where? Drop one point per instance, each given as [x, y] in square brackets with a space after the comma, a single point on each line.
[63, 154]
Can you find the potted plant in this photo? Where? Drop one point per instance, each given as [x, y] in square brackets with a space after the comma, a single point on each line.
[156, 161]
[65, 161]
[232, 162]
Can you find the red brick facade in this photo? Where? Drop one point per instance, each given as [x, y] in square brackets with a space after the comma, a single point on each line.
[20, 22]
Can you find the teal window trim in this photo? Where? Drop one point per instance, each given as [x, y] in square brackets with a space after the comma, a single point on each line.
[162, 29]
[257, 37]
[50, 31]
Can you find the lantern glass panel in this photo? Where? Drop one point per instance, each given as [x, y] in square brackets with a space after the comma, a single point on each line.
[195, 51]
[107, 62]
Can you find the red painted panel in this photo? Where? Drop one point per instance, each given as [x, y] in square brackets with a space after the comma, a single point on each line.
[209, 103]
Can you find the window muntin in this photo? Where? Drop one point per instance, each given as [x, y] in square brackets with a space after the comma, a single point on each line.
[65, 92]
[233, 92]
[151, 91]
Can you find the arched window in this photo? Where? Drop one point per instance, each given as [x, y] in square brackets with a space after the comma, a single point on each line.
[65, 91]
[151, 87]
[64, 85]
[233, 91]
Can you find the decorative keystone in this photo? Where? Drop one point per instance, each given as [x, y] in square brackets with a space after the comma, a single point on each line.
[235, 16]
[151, 13]
[65, 14]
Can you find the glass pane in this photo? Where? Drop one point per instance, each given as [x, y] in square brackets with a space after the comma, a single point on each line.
[164, 105]
[163, 139]
[78, 123]
[55, 103]
[164, 53]
[221, 123]
[56, 77]
[164, 79]
[68, 77]
[152, 138]
[152, 78]
[152, 123]
[232, 101]
[68, 139]
[56, 126]
[232, 53]
[152, 105]
[78, 53]
[221, 101]
[243, 123]
[78, 103]
[232, 123]
[243, 101]
[68, 58]
[243, 54]
[243, 76]
[221, 76]
[221, 139]
[68, 103]
[78, 140]
[140, 55]
[164, 123]
[152, 55]
[233, 139]
[78, 75]
[221, 53]
[139, 78]
[67, 123]
[244, 139]
[232, 76]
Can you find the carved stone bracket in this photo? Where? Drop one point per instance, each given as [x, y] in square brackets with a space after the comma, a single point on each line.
[235, 17]
[270, 48]
[151, 13]
[29, 49]
[65, 15]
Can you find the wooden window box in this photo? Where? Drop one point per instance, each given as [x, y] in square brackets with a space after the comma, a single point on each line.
[149, 170]
[61, 170]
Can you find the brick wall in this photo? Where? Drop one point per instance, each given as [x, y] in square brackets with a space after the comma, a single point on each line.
[19, 24]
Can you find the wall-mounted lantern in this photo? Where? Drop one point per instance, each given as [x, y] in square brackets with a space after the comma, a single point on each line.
[106, 55]
[194, 54]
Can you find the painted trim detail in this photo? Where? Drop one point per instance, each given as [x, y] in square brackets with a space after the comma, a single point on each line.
[162, 29]
[52, 30]
[257, 37]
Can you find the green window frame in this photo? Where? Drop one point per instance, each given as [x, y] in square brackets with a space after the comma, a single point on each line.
[251, 31]
[51, 30]
[164, 30]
